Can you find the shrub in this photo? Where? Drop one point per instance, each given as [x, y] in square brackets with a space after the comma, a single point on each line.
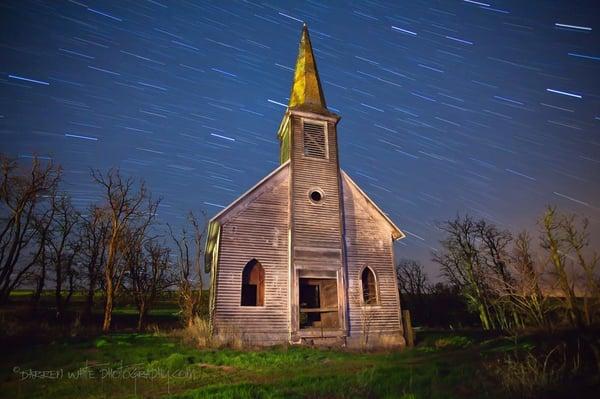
[197, 333]
[530, 376]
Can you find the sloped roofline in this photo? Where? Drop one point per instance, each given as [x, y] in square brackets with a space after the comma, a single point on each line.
[253, 188]
[400, 235]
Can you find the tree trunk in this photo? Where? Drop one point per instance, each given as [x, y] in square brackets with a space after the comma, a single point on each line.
[89, 303]
[71, 288]
[58, 290]
[108, 307]
[109, 282]
[143, 312]
[35, 299]
[4, 293]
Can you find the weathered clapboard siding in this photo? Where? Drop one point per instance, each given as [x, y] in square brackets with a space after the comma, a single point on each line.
[257, 227]
[369, 243]
[316, 228]
[315, 225]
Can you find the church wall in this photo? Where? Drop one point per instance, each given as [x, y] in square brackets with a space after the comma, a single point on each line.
[259, 231]
[315, 225]
[369, 243]
[316, 228]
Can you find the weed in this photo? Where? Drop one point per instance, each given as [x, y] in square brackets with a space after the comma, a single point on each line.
[529, 375]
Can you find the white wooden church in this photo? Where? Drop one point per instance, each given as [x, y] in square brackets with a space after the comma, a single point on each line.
[305, 256]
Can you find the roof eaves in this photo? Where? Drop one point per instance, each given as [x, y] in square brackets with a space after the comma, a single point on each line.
[400, 235]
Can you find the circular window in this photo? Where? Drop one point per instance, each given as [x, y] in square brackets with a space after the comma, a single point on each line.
[316, 196]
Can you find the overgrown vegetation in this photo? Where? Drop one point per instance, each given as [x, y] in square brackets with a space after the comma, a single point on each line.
[504, 281]
[513, 290]
[509, 286]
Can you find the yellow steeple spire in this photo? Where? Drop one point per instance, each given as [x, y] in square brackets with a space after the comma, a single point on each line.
[306, 90]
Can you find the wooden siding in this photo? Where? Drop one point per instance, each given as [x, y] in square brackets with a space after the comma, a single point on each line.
[368, 238]
[315, 225]
[277, 224]
[316, 228]
[256, 228]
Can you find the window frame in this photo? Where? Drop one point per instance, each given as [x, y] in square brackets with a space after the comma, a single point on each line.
[320, 191]
[259, 286]
[362, 291]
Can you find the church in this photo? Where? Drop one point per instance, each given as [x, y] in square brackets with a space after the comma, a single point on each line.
[305, 256]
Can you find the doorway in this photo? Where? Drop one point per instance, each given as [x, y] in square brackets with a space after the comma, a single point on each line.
[318, 299]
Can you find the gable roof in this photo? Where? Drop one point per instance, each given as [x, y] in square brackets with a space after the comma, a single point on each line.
[397, 234]
[211, 251]
[245, 199]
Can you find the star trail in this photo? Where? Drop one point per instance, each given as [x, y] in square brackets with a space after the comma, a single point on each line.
[455, 106]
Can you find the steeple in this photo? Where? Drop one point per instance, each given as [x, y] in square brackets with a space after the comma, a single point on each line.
[306, 90]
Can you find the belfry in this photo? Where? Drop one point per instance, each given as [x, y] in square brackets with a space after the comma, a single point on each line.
[305, 256]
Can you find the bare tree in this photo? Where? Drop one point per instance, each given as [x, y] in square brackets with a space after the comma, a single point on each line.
[414, 285]
[128, 209]
[522, 290]
[528, 278]
[189, 282]
[37, 275]
[93, 236]
[62, 248]
[461, 263]
[494, 244]
[553, 241]
[494, 250]
[576, 239]
[412, 278]
[149, 274]
[25, 218]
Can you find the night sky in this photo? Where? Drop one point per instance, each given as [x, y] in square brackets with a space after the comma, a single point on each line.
[485, 107]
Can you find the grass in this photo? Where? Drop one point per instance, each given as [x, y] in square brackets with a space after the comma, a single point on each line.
[145, 365]
[74, 363]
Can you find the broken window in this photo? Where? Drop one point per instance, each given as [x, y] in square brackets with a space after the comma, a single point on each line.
[253, 284]
[369, 286]
[318, 303]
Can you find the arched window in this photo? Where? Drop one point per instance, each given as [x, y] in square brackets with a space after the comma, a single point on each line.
[369, 286]
[253, 284]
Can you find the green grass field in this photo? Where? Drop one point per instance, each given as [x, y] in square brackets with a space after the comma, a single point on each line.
[42, 359]
[145, 365]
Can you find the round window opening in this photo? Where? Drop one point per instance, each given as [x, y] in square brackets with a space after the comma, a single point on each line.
[316, 196]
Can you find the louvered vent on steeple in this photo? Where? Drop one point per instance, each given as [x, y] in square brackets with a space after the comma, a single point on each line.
[314, 140]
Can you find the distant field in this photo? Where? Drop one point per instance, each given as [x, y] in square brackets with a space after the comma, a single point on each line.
[20, 322]
[164, 309]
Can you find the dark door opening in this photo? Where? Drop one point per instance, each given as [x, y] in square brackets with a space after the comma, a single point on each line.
[318, 303]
